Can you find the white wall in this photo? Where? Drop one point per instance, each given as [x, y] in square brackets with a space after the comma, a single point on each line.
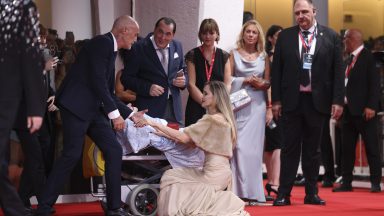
[106, 14]
[189, 14]
[72, 15]
[185, 14]
[229, 16]
[109, 10]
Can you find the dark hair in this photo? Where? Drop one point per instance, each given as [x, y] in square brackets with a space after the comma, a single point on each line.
[247, 16]
[209, 25]
[43, 30]
[271, 31]
[167, 21]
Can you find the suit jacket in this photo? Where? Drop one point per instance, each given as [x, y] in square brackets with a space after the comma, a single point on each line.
[20, 63]
[143, 68]
[88, 87]
[363, 87]
[327, 75]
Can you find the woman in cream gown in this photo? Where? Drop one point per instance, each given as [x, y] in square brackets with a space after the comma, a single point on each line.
[192, 191]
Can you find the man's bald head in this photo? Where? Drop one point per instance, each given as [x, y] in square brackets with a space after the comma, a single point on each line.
[124, 21]
[353, 38]
[125, 29]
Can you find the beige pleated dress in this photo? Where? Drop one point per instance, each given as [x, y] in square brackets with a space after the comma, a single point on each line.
[191, 191]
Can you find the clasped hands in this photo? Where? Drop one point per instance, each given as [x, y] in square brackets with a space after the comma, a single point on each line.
[137, 118]
[257, 82]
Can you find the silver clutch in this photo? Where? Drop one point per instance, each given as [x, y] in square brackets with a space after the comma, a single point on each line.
[239, 99]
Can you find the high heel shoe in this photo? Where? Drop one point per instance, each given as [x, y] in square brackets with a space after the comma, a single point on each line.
[269, 188]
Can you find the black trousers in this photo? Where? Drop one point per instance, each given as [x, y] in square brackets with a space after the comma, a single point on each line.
[302, 133]
[9, 199]
[352, 127]
[33, 176]
[74, 130]
[327, 154]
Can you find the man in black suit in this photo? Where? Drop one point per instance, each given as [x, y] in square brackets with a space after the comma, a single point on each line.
[154, 70]
[307, 87]
[361, 105]
[20, 79]
[87, 105]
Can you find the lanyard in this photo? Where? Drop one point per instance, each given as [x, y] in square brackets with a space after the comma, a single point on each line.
[208, 71]
[307, 46]
[350, 66]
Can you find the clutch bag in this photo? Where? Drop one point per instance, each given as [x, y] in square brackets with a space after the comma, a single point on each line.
[239, 99]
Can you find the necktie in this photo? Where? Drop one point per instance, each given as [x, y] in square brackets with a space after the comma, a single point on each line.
[349, 64]
[164, 60]
[350, 59]
[304, 78]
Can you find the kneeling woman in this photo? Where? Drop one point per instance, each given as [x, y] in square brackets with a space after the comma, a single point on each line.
[192, 191]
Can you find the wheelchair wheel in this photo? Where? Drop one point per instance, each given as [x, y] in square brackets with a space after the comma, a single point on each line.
[142, 200]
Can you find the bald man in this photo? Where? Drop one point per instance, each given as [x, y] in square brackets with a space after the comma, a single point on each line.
[361, 106]
[88, 105]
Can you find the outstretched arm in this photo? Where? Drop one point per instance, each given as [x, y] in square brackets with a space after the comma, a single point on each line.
[168, 132]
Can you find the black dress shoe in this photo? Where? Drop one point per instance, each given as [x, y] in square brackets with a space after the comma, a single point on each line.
[375, 188]
[299, 181]
[117, 212]
[343, 188]
[30, 211]
[326, 183]
[313, 200]
[282, 200]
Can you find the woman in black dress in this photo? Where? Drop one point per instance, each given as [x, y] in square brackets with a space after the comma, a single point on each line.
[205, 63]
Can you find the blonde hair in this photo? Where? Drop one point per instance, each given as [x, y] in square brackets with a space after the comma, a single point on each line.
[223, 105]
[260, 45]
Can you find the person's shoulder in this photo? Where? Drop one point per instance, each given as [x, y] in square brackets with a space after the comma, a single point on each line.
[223, 51]
[190, 54]
[176, 42]
[102, 38]
[289, 31]
[326, 30]
[217, 119]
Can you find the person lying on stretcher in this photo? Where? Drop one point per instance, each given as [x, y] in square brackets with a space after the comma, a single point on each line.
[133, 139]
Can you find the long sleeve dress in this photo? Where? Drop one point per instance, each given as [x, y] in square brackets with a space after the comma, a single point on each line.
[191, 191]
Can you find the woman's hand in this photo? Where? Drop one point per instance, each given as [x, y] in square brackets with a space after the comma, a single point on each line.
[268, 116]
[259, 83]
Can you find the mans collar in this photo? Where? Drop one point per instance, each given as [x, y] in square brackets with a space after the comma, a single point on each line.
[356, 51]
[114, 42]
[312, 29]
[154, 43]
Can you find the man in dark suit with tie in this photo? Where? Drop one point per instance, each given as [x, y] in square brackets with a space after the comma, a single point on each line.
[87, 105]
[151, 70]
[361, 105]
[307, 87]
[20, 79]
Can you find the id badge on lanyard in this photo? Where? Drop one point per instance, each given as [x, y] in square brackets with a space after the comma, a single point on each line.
[307, 61]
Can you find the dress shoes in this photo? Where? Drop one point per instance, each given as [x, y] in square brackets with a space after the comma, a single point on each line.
[117, 212]
[30, 211]
[299, 181]
[282, 200]
[375, 188]
[313, 200]
[343, 188]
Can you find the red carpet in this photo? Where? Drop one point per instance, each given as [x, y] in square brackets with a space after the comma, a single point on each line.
[359, 202]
